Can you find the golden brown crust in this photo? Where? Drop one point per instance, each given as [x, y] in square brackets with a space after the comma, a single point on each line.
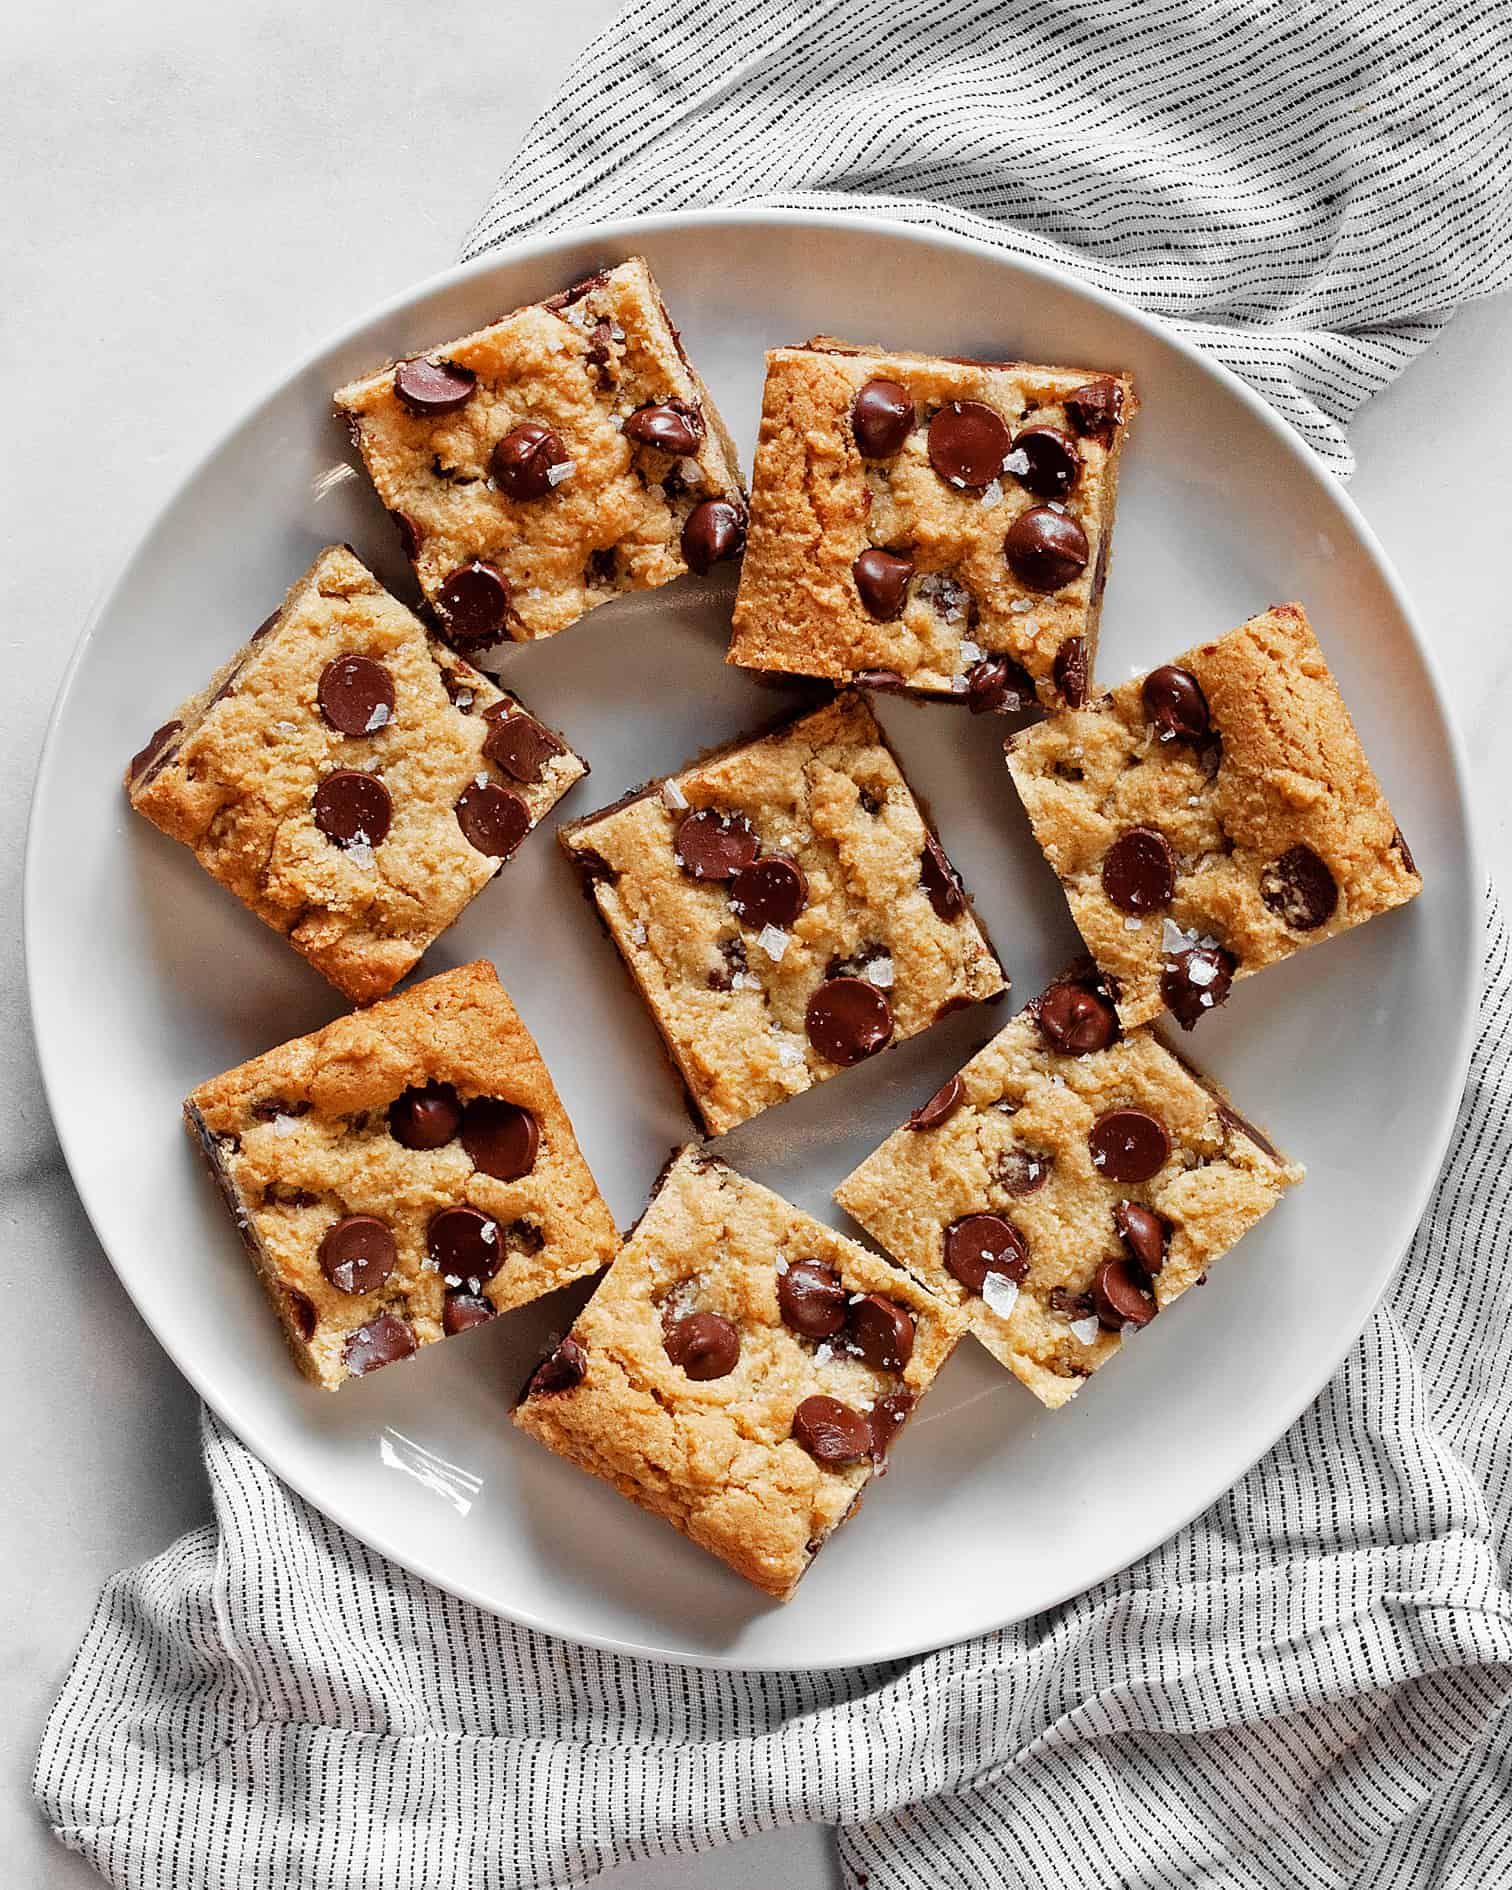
[717, 1458]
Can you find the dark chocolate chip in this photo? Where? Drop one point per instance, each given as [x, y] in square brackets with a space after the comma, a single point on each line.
[733, 953]
[1096, 409]
[523, 460]
[566, 1367]
[882, 582]
[888, 1416]
[460, 1312]
[968, 443]
[831, 1432]
[353, 809]
[1046, 549]
[1128, 1145]
[705, 1344]
[1196, 980]
[713, 846]
[500, 1138]
[1300, 889]
[466, 1244]
[521, 747]
[1076, 1020]
[425, 1118]
[1070, 669]
[144, 757]
[848, 1019]
[358, 1254]
[431, 387]
[268, 622]
[1399, 841]
[356, 695]
[410, 537]
[564, 298]
[474, 602]
[382, 1341]
[1054, 463]
[1139, 871]
[882, 417]
[945, 1099]
[1143, 1232]
[493, 819]
[712, 533]
[1020, 1171]
[671, 427]
[1119, 1298]
[940, 881]
[811, 1299]
[887, 680]
[301, 1311]
[880, 1333]
[999, 686]
[770, 891]
[1174, 704]
[979, 1244]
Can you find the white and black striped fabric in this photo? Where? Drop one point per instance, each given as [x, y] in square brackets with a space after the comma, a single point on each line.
[1309, 1686]
[1306, 187]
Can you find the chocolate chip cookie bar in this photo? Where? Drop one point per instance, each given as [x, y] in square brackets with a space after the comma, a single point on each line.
[784, 910]
[562, 455]
[936, 526]
[403, 1175]
[1068, 1184]
[742, 1371]
[352, 781]
[1212, 817]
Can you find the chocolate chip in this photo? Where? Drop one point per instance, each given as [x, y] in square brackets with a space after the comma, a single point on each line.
[460, 1312]
[705, 1344]
[493, 819]
[888, 1416]
[831, 1432]
[1174, 704]
[521, 747]
[848, 1019]
[714, 846]
[500, 1138]
[931, 1114]
[431, 387]
[733, 952]
[1399, 841]
[1128, 1145]
[425, 1118]
[811, 1299]
[1139, 872]
[940, 881]
[887, 680]
[566, 1367]
[770, 891]
[999, 686]
[711, 533]
[671, 427]
[1020, 1172]
[1300, 889]
[156, 742]
[1096, 409]
[410, 538]
[268, 622]
[353, 808]
[1119, 1298]
[1045, 549]
[301, 1311]
[357, 1254]
[882, 417]
[980, 1244]
[356, 695]
[382, 1341]
[1054, 463]
[882, 582]
[1143, 1232]
[1196, 980]
[474, 601]
[1070, 670]
[968, 443]
[880, 1333]
[465, 1243]
[1075, 1020]
[564, 298]
[522, 461]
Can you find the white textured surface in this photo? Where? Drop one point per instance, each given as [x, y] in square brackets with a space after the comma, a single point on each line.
[207, 194]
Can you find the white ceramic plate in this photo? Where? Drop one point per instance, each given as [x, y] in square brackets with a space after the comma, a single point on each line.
[146, 977]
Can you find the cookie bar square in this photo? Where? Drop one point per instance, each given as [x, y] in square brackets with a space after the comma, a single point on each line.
[741, 1371]
[1212, 817]
[352, 781]
[784, 910]
[562, 455]
[1067, 1185]
[936, 526]
[403, 1175]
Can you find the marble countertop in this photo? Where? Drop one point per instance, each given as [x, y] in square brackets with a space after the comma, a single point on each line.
[207, 193]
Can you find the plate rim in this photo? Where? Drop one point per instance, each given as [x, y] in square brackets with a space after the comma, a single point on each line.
[623, 233]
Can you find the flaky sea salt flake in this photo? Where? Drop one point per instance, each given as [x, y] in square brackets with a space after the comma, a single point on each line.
[673, 796]
[1085, 1331]
[774, 942]
[1000, 1294]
